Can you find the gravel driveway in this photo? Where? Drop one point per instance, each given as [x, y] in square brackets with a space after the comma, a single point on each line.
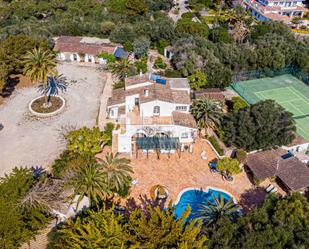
[28, 141]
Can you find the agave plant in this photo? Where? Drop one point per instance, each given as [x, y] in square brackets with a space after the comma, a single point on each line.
[53, 85]
[210, 212]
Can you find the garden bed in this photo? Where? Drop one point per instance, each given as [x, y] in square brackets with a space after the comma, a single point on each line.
[37, 108]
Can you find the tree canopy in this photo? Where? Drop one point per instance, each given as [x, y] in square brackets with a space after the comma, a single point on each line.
[263, 125]
[282, 222]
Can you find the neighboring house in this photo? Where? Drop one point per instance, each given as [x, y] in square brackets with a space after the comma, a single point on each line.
[277, 10]
[289, 171]
[168, 52]
[151, 106]
[86, 49]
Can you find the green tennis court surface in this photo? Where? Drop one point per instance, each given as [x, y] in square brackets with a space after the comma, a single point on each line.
[286, 90]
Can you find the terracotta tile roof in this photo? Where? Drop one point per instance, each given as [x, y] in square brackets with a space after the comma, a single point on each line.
[155, 92]
[179, 83]
[74, 44]
[184, 119]
[212, 93]
[292, 172]
[137, 79]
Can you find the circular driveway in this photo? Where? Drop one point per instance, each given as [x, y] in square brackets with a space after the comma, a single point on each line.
[29, 141]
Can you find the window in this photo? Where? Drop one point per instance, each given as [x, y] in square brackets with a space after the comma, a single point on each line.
[184, 135]
[112, 113]
[89, 58]
[181, 108]
[146, 93]
[275, 3]
[74, 57]
[156, 110]
[136, 101]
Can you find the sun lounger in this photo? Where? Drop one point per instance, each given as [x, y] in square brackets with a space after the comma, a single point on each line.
[270, 188]
[274, 190]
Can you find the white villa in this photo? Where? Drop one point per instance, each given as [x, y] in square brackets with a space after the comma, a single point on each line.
[153, 113]
[86, 49]
[277, 10]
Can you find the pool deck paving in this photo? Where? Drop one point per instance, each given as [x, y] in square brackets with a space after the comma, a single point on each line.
[178, 173]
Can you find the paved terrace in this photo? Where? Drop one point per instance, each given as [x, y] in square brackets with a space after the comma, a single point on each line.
[187, 171]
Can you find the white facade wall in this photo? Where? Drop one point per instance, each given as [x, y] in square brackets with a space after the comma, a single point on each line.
[75, 55]
[61, 56]
[89, 58]
[185, 134]
[130, 102]
[166, 108]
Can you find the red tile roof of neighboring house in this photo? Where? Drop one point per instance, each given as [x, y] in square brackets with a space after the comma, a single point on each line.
[211, 93]
[74, 44]
[291, 171]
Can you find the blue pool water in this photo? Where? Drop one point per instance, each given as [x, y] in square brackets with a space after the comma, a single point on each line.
[196, 197]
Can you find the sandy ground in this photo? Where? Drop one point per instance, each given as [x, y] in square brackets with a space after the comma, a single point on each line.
[28, 141]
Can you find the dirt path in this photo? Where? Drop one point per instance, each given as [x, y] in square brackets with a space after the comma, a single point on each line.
[27, 141]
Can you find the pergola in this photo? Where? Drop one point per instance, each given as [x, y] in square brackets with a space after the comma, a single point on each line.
[157, 144]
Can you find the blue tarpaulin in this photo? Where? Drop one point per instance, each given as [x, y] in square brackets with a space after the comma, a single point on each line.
[161, 81]
[121, 53]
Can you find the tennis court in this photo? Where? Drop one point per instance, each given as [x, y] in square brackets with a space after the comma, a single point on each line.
[286, 90]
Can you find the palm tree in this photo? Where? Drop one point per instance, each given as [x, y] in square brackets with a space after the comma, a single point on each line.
[38, 66]
[207, 114]
[211, 212]
[89, 181]
[121, 68]
[117, 171]
[239, 21]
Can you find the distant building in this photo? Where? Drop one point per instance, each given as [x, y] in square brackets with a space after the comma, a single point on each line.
[153, 112]
[277, 10]
[86, 49]
[168, 52]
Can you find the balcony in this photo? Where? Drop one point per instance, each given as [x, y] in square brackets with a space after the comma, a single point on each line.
[133, 119]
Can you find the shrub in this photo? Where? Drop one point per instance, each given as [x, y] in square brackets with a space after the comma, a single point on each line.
[215, 144]
[108, 133]
[107, 27]
[68, 161]
[172, 73]
[159, 63]
[229, 164]
[141, 65]
[162, 44]
[187, 15]
[85, 141]
[109, 57]
[18, 224]
[119, 84]
[128, 46]
[239, 104]
[241, 155]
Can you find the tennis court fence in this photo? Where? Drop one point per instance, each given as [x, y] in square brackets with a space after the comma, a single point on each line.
[263, 73]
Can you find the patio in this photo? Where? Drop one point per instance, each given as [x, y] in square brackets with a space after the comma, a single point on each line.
[177, 172]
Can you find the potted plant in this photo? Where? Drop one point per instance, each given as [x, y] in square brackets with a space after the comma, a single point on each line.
[161, 192]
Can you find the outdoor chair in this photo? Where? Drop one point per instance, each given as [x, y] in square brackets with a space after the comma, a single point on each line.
[270, 188]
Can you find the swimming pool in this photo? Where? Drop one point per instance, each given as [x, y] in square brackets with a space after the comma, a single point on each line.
[194, 197]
